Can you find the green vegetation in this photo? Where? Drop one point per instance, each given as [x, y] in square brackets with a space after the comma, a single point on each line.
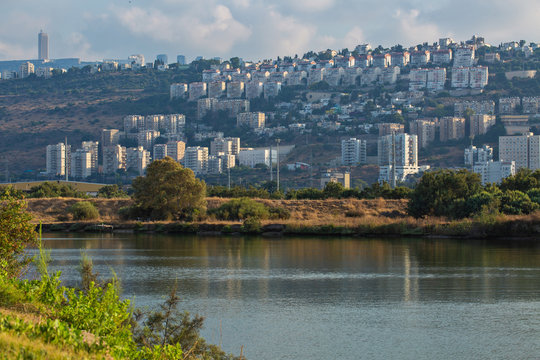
[52, 190]
[111, 192]
[169, 191]
[241, 209]
[84, 210]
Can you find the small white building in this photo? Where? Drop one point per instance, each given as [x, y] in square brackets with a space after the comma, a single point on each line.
[494, 171]
[252, 157]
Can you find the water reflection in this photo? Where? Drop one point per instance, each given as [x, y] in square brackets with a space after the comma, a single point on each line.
[284, 296]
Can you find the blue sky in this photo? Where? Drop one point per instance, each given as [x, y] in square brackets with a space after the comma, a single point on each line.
[251, 29]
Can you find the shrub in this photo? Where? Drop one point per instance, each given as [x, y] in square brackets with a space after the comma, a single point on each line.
[252, 225]
[279, 213]
[355, 213]
[111, 192]
[514, 202]
[240, 209]
[84, 210]
[53, 190]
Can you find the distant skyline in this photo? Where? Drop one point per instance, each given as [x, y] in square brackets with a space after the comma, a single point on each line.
[251, 29]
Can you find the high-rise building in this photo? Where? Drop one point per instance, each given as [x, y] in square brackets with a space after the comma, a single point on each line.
[92, 147]
[160, 151]
[110, 137]
[81, 164]
[494, 171]
[146, 138]
[252, 157]
[26, 69]
[391, 128]
[254, 120]
[137, 159]
[480, 124]
[43, 46]
[227, 146]
[451, 128]
[404, 146]
[524, 150]
[176, 150]
[475, 155]
[425, 130]
[178, 90]
[478, 107]
[58, 159]
[114, 159]
[196, 159]
[162, 59]
[181, 60]
[353, 151]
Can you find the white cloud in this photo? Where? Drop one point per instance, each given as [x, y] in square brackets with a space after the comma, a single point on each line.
[411, 30]
[354, 37]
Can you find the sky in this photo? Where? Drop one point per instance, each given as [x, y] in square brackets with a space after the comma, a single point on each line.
[251, 29]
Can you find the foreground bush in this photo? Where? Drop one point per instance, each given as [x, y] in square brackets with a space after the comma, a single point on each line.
[55, 189]
[241, 209]
[84, 210]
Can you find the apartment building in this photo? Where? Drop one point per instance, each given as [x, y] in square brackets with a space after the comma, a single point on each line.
[271, 89]
[436, 78]
[176, 150]
[216, 89]
[196, 159]
[227, 145]
[114, 159]
[478, 107]
[425, 129]
[343, 178]
[400, 59]
[353, 152]
[110, 137]
[254, 89]
[531, 105]
[58, 159]
[25, 69]
[178, 90]
[464, 57]
[235, 89]
[480, 124]
[451, 128]
[254, 120]
[197, 90]
[146, 138]
[81, 164]
[252, 157]
[133, 123]
[391, 128]
[475, 155]
[524, 150]
[159, 151]
[494, 171]
[442, 57]
[508, 105]
[382, 60]
[137, 159]
[93, 148]
[405, 150]
[420, 58]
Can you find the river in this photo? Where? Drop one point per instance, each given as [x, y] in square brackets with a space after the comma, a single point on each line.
[331, 298]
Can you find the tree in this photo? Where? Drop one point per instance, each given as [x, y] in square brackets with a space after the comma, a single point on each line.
[16, 233]
[443, 193]
[111, 192]
[169, 191]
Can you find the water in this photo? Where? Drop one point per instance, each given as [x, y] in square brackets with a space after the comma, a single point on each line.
[332, 298]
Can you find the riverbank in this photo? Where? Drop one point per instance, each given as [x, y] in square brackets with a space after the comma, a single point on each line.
[342, 217]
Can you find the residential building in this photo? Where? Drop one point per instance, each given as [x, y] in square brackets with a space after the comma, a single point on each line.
[227, 145]
[271, 89]
[153, 122]
[235, 90]
[219, 163]
[391, 128]
[364, 61]
[353, 152]
[315, 75]
[81, 164]
[58, 159]
[333, 76]
[418, 79]
[233, 106]
[343, 178]
[216, 89]
[137, 159]
[260, 76]
[382, 60]
[146, 138]
[363, 49]
[254, 120]
[445, 42]
[508, 105]
[425, 129]
[436, 78]
[26, 69]
[386, 173]
[204, 106]
[178, 90]
[254, 89]
[350, 76]
[110, 137]
[43, 46]
[442, 57]
[93, 148]
[389, 75]
[400, 59]
[405, 150]
[172, 123]
[420, 58]
[210, 75]
[460, 77]
[464, 57]
[197, 90]
[451, 128]
[44, 72]
[252, 157]
[370, 76]
[196, 159]
[298, 78]
[475, 155]
[494, 171]
[478, 107]
[181, 59]
[531, 105]
[480, 124]
[478, 77]
[516, 124]
[159, 152]
[492, 58]
[133, 123]
[114, 159]
[523, 149]
[176, 150]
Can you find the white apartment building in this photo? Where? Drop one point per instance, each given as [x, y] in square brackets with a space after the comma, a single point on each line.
[228, 146]
[451, 128]
[133, 123]
[524, 150]
[81, 164]
[436, 78]
[235, 89]
[464, 57]
[26, 69]
[479, 107]
[252, 157]
[402, 172]
[159, 151]
[216, 89]
[219, 163]
[176, 150]
[58, 158]
[441, 57]
[178, 90]
[478, 77]
[494, 171]
[389, 75]
[475, 155]
[146, 138]
[405, 150]
[254, 120]
[254, 89]
[315, 75]
[353, 152]
[418, 79]
[460, 77]
[420, 58]
[93, 148]
[531, 105]
[153, 122]
[508, 105]
[196, 159]
[114, 159]
[334, 76]
[137, 159]
[271, 89]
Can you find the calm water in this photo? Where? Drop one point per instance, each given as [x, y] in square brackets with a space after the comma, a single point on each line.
[322, 298]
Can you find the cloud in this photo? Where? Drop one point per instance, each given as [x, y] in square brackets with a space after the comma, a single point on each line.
[411, 29]
[354, 37]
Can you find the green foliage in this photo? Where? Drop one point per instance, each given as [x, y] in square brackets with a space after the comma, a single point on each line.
[279, 213]
[333, 190]
[169, 191]
[523, 180]
[252, 225]
[84, 210]
[111, 192]
[240, 209]
[16, 233]
[237, 191]
[443, 193]
[514, 202]
[53, 190]
[10, 191]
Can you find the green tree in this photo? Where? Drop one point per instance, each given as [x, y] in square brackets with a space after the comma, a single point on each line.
[514, 202]
[333, 190]
[84, 210]
[169, 191]
[443, 193]
[16, 233]
[524, 180]
[111, 192]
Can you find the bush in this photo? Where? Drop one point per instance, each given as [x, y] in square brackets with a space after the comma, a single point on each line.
[514, 202]
[111, 192]
[84, 210]
[279, 213]
[53, 190]
[240, 209]
[252, 226]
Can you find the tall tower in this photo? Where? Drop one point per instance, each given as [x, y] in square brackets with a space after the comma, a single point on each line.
[43, 46]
